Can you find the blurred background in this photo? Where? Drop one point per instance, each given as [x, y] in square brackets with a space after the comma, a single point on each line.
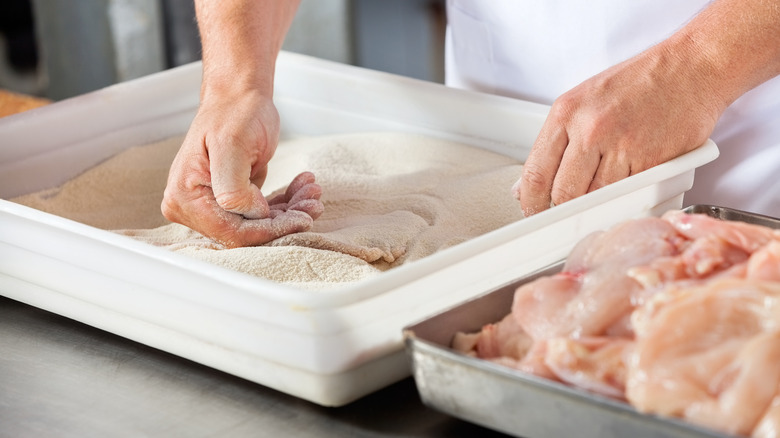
[61, 48]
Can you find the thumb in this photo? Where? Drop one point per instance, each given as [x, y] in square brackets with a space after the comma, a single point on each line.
[233, 190]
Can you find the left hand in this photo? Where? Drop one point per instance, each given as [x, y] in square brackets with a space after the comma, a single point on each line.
[631, 117]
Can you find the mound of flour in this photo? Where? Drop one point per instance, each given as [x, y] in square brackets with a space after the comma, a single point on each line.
[390, 198]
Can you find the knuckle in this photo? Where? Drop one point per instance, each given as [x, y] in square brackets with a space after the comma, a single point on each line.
[562, 193]
[591, 137]
[601, 131]
[168, 210]
[170, 207]
[564, 106]
[534, 179]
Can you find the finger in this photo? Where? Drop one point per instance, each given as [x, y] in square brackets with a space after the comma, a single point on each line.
[312, 207]
[299, 182]
[233, 190]
[306, 199]
[309, 191]
[234, 231]
[536, 182]
[259, 208]
[612, 168]
[299, 189]
[277, 200]
[261, 231]
[578, 166]
[277, 206]
[205, 216]
[202, 213]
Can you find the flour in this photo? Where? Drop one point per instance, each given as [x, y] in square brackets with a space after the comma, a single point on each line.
[390, 198]
[122, 192]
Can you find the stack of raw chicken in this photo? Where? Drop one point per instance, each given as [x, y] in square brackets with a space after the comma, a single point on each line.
[678, 315]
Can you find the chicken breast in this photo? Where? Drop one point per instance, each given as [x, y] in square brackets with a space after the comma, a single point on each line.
[594, 291]
[678, 315]
[708, 353]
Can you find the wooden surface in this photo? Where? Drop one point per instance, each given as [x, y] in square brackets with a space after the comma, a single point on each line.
[12, 103]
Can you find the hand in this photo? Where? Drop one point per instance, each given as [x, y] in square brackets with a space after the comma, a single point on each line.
[214, 182]
[629, 118]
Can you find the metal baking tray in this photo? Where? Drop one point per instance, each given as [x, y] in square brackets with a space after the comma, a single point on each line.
[522, 404]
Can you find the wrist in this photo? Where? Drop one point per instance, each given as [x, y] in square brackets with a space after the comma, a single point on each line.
[730, 47]
[234, 83]
[697, 74]
[241, 40]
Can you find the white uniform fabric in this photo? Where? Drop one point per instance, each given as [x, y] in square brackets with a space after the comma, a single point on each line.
[538, 49]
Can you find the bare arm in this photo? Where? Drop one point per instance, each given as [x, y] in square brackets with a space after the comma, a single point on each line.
[653, 107]
[215, 179]
[241, 40]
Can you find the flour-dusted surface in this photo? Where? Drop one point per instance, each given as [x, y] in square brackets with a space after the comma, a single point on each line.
[390, 198]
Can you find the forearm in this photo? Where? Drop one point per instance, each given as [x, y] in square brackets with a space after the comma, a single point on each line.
[241, 40]
[730, 47]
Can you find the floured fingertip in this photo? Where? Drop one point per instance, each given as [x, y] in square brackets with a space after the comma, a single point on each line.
[312, 207]
[292, 221]
[516, 189]
[299, 182]
[309, 191]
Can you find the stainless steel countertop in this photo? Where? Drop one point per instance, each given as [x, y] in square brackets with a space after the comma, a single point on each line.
[62, 378]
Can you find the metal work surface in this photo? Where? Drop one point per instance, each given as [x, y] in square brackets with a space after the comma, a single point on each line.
[62, 378]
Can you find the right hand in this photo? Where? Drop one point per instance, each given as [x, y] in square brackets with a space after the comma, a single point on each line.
[215, 179]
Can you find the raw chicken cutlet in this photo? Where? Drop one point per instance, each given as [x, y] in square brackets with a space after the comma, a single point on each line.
[678, 315]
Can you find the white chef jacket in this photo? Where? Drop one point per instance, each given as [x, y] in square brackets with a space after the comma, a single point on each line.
[538, 49]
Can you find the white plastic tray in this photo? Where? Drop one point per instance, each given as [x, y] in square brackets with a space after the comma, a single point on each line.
[329, 348]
